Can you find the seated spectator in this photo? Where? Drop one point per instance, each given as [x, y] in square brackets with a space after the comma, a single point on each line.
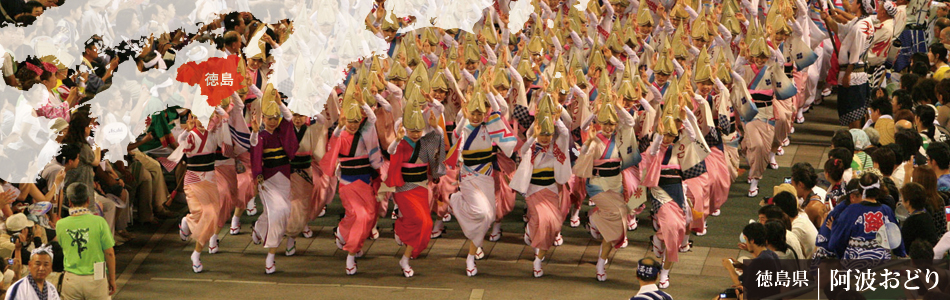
[772, 212]
[939, 158]
[812, 197]
[921, 255]
[938, 58]
[908, 81]
[903, 115]
[834, 172]
[919, 224]
[762, 259]
[925, 126]
[647, 271]
[802, 227]
[909, 142]
[874, 137]
[936, 201]
[34, 285]
[87, 241]
[882, 121]
[861, 159]
[847, 234]
[943, 97]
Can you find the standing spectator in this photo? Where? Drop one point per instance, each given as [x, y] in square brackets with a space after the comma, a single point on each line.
[87, 243]
[35, 286]
[919, 225]
[939, 158]
[647, 271]
[925, 176]
[80, 128]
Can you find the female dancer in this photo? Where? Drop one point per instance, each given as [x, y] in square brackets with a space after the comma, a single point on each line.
[201, 191]
[545, 168]
[474, 156]
[606, 153]
[271, 153]
[355, 146]
[677, 150]
[416, 157]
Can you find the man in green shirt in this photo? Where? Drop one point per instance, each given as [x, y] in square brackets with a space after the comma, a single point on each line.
[87, 250]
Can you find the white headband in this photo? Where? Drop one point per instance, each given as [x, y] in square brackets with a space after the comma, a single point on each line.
[864, 189]
[44, 249]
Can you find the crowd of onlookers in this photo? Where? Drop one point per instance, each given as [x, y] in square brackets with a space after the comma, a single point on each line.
[892, 176]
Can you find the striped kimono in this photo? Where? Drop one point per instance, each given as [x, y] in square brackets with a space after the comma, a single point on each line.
[201, 191]
[474, 156]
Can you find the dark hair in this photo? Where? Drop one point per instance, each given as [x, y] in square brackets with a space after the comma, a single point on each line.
[919, 57]
[33, 4]
[755, 233]
[943, 91]
[910, 142]
[939, 152]
[883, 106]
[772, 211]
[927, 178]
[231, 20]
[77, 128]
[885, 158]
[776, 235]
[843, 139]
[915, 195]
[834, 168]
[867, 180]
[804, 173]
[787, 202]
[908, 81]
[920, 68]
[939, 51]
[925, 92]
[25, 20]
[927, 115]
[846, 156]
[67, 153]
[921, 251]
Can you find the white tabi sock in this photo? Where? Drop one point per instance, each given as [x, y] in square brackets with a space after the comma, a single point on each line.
[235, 222]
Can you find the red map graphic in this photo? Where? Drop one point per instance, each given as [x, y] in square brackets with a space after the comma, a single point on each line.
[218, 77]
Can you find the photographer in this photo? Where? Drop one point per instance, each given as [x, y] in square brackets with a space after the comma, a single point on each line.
[20, 237]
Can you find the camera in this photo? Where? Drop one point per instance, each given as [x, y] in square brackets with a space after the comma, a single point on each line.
[788, 180]
[729, 293]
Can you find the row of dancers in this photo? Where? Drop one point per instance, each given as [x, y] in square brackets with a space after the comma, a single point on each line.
[455, 123]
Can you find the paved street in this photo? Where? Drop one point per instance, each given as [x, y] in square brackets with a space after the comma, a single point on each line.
[156, 264]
